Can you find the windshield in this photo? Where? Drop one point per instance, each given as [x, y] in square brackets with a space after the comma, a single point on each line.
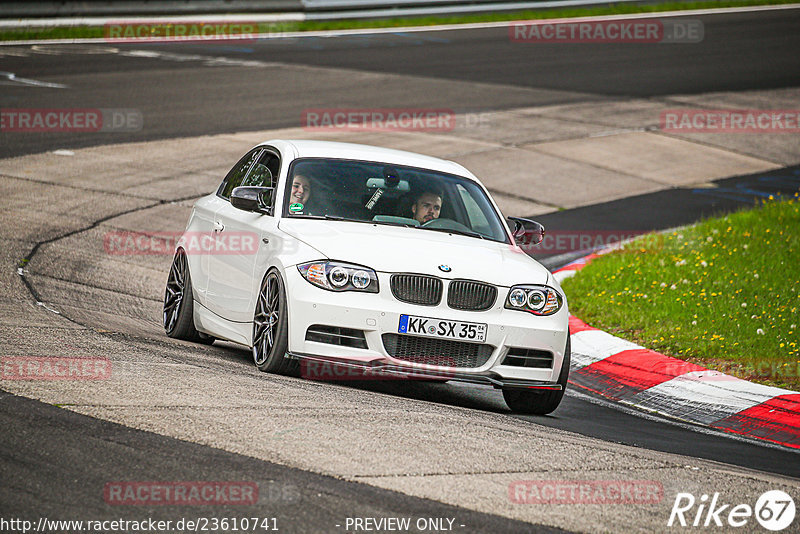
[390, 194]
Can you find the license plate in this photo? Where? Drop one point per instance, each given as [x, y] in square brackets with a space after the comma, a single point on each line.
[429, 327]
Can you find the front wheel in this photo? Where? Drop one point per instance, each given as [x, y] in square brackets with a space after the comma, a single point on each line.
[271, 328]
[540, 402]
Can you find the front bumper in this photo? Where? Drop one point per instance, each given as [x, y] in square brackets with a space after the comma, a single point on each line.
[378, 314]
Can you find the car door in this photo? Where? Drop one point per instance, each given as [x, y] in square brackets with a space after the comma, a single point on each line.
[198, 233]
[241, 238]
[201, 228]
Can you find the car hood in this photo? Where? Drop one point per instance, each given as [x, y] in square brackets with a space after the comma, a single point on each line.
[397, 249]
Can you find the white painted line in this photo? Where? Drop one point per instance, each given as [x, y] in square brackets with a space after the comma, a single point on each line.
[27, 81]
[590, 346]
[209, 61]
[51, 42]
[456, 9]
[102, 21]
[704, 396]
[560, 276]
[444, 27]
[48, 308]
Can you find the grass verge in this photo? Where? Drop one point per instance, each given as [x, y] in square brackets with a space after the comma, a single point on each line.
[98, 32]
[724, 293]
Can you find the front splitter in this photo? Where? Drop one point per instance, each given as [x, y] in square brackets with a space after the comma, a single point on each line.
[340, 369]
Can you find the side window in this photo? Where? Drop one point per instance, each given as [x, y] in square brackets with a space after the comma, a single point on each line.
[273, 163]
[265, 172]
[237, 174]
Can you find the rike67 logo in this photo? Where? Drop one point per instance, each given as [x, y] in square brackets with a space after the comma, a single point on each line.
[774, 510]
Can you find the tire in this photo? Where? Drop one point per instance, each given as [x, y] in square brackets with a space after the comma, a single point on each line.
[178, 312]
[540, 402]
[271, 328]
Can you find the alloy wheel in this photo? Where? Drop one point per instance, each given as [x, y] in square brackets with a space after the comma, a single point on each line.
[173, 295]
[265, 321]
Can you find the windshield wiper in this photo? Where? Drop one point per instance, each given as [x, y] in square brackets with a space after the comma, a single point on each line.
[451, 231]
[388, 223]
[339, 218]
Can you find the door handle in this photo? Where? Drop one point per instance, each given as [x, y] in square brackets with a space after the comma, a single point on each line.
[218, 226]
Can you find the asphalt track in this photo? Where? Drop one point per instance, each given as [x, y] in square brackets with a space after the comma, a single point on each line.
[181, 97]
[477, 70]
[55, 464]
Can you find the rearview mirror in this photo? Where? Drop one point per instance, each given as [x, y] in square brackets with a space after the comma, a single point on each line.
[526, 231]
[251, 198]
[388, 183]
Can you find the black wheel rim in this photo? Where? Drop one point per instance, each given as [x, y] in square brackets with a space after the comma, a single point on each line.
[265, 321]
[173, 296]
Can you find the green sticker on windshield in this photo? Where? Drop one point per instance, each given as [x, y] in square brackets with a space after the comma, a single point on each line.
[296, 207]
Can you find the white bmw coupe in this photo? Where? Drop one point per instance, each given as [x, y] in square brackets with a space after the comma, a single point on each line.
[367, 258]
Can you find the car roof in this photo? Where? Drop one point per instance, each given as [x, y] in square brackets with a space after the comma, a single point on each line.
[330, 149]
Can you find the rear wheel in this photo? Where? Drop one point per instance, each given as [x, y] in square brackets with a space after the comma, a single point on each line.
[540, 402]
[178, 313]
[271, 328]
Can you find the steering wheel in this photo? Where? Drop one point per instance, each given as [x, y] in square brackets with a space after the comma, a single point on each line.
[446, 224]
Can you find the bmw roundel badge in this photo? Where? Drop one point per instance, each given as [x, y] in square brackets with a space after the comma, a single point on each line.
[445, 268]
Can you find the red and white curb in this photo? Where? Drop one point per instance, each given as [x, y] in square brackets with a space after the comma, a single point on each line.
[633, 375]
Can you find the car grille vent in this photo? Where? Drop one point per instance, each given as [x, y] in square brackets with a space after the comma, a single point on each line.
[472, 296]
[334, 335]
[440, 352]
[539, 359]
[416, 289]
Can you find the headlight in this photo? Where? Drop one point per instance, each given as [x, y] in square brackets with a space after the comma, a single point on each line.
[538, 300]
[338, 276]
[517, 298]
[361, 279]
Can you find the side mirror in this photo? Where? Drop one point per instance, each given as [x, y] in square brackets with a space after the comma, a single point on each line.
[526, 231]
[251, 198]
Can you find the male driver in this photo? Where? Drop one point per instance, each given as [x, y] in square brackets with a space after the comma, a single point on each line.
[427, 207]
